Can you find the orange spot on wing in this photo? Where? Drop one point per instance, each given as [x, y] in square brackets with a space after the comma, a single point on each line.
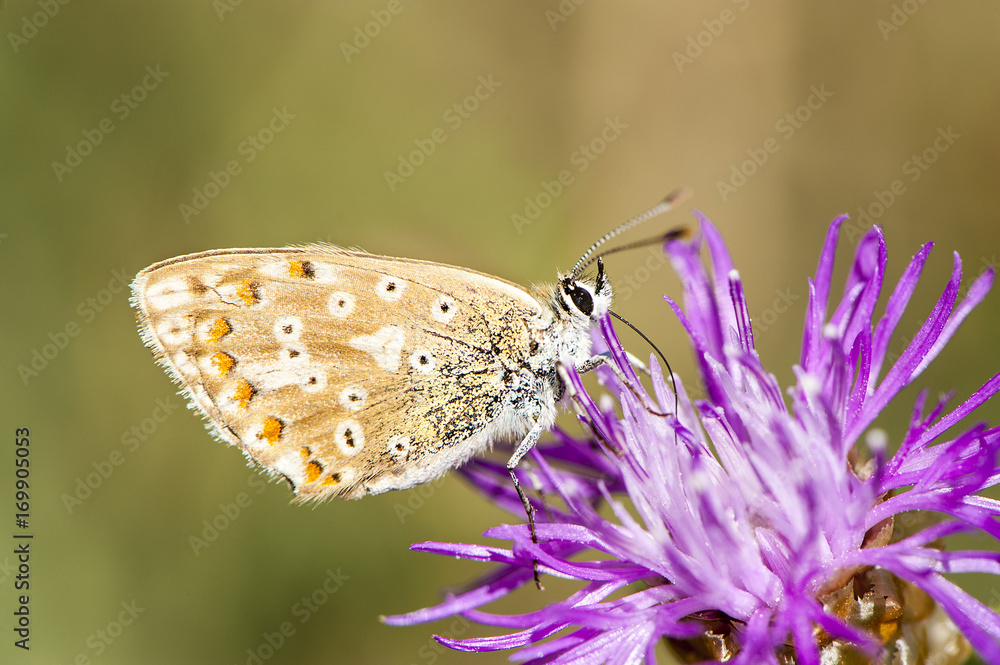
[305, 453]
[244, 392]
[220, 328]
[301, 269]
[313, 472]
[271, 431]
[223, 362]
[332, 479]
[247, 292]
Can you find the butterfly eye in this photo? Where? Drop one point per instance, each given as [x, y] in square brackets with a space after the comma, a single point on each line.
[581, 298]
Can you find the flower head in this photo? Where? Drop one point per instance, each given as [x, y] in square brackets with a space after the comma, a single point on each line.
[752, 525]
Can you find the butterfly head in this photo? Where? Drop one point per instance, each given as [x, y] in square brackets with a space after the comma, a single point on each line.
[584, 299]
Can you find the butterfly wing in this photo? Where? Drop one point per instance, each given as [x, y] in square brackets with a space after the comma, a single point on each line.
[346, 373]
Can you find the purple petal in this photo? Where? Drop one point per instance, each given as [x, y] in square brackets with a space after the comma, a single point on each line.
[738, 509]
[898, 301]
[819, 294]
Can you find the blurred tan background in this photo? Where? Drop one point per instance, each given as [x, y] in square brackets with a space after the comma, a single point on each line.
[116, 114]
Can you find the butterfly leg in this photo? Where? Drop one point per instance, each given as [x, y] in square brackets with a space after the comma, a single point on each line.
[527, 443]
[633, 360]
[601, 359]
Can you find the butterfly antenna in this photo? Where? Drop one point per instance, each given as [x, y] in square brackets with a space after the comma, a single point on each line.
[671, 201]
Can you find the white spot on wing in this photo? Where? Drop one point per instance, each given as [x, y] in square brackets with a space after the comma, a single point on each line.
[315, 381]
[288, 328]
[276, 269]
[229, 403]
[184, 365]
[254, 437]
[267, 377]
[325, 273]
[174, 331]
[422, 361]
[349, 437]
[385, 346]
[168, 294]
[353, 398]
[294, 354]
[207, 367]
[237, 294]
[210, 280]
[341, 304]
[443, 309]
[345, 476]
[205, 329]
[390, 288]
[290, 465]
[399, 446]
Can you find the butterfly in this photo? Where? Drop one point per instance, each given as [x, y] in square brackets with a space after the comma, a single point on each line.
[348, 373]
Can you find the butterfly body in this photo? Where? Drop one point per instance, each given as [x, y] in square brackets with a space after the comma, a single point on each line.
[350, 373]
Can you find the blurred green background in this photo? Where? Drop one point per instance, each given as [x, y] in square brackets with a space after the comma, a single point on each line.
[116, 114]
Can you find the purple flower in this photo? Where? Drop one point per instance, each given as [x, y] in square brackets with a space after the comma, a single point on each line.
[755, 526]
